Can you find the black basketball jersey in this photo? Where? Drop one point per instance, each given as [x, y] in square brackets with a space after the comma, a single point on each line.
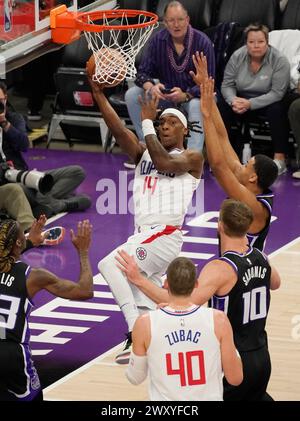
[15, 305]
[258, 240]
[247, 304]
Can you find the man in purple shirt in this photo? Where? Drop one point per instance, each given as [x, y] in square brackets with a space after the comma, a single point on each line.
[164, 70]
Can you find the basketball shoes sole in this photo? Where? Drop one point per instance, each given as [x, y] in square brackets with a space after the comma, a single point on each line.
[53, 236]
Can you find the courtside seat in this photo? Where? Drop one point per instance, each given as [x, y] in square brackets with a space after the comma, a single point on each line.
[74, 109]
[266, 12]
[291, 15]
[201, 12]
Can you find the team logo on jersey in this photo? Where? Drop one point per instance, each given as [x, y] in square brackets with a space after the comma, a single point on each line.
[35, 381]
[141, 253]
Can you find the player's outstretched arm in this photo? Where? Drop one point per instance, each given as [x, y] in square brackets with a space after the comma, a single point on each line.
[225, 176]
[212, 279]
[128, 266]
[231, 361]
[137, 369]
[275, 278]
[200, 77]
[125, 138]
[83, 290]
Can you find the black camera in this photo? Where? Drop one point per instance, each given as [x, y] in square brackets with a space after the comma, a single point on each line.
[32, 179]
[3, 168]
[166, 91]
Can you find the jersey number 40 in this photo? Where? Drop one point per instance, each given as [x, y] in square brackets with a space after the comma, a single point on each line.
[188, 363]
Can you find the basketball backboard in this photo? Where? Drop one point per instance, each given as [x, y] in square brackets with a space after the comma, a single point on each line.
[24, 28]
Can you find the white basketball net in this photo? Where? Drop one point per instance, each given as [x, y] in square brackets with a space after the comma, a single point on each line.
[114, 66]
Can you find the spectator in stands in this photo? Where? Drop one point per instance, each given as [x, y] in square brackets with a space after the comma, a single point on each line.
[294, 118]
[61, 198]
[288, 42]
[164, 70]
[256, 79]
[14, 204]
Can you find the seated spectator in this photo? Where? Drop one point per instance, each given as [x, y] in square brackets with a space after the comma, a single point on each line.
[294, 118]
[255, 80]
[61, 198]
[288, 41]
[14, 205]
[168, 59]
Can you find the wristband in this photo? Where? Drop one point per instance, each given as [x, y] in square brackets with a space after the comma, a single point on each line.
[148, 127]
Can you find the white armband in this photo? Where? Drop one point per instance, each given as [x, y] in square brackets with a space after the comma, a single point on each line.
[148, 127]
[137, 369]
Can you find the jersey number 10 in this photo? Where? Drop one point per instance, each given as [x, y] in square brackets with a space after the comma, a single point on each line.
[255, 304]
[185, 370]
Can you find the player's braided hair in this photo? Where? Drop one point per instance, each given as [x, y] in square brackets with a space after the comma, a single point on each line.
[8, 236]
[193, 126]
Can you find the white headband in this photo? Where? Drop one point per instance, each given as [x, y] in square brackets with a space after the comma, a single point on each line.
[177, 113]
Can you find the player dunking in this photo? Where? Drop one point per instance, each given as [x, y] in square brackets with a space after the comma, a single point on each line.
[183, 347]
[166, 176]
[248, 183]
[238, 283]
[19, 283]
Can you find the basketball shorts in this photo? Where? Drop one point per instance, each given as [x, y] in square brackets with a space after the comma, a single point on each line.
[153, 248]
[257, 372]
[19, 380]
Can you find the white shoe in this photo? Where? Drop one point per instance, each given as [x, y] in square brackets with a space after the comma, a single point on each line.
[296, 174]
[281, 166]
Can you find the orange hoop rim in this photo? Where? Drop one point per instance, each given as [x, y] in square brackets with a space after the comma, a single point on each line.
[83, 25]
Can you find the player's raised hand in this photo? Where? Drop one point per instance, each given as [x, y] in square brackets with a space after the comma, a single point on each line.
[200, 63]
[149, 107]
[35, 234]
[96, 86]
[207, 97]
[82, 239]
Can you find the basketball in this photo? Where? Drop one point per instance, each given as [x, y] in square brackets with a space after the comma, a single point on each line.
[107, 66]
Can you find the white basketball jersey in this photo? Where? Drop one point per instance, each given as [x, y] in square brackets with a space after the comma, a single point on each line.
[184, 356]
[161, 198]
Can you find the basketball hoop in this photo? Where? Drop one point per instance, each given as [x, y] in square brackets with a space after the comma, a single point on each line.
[105, 29]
